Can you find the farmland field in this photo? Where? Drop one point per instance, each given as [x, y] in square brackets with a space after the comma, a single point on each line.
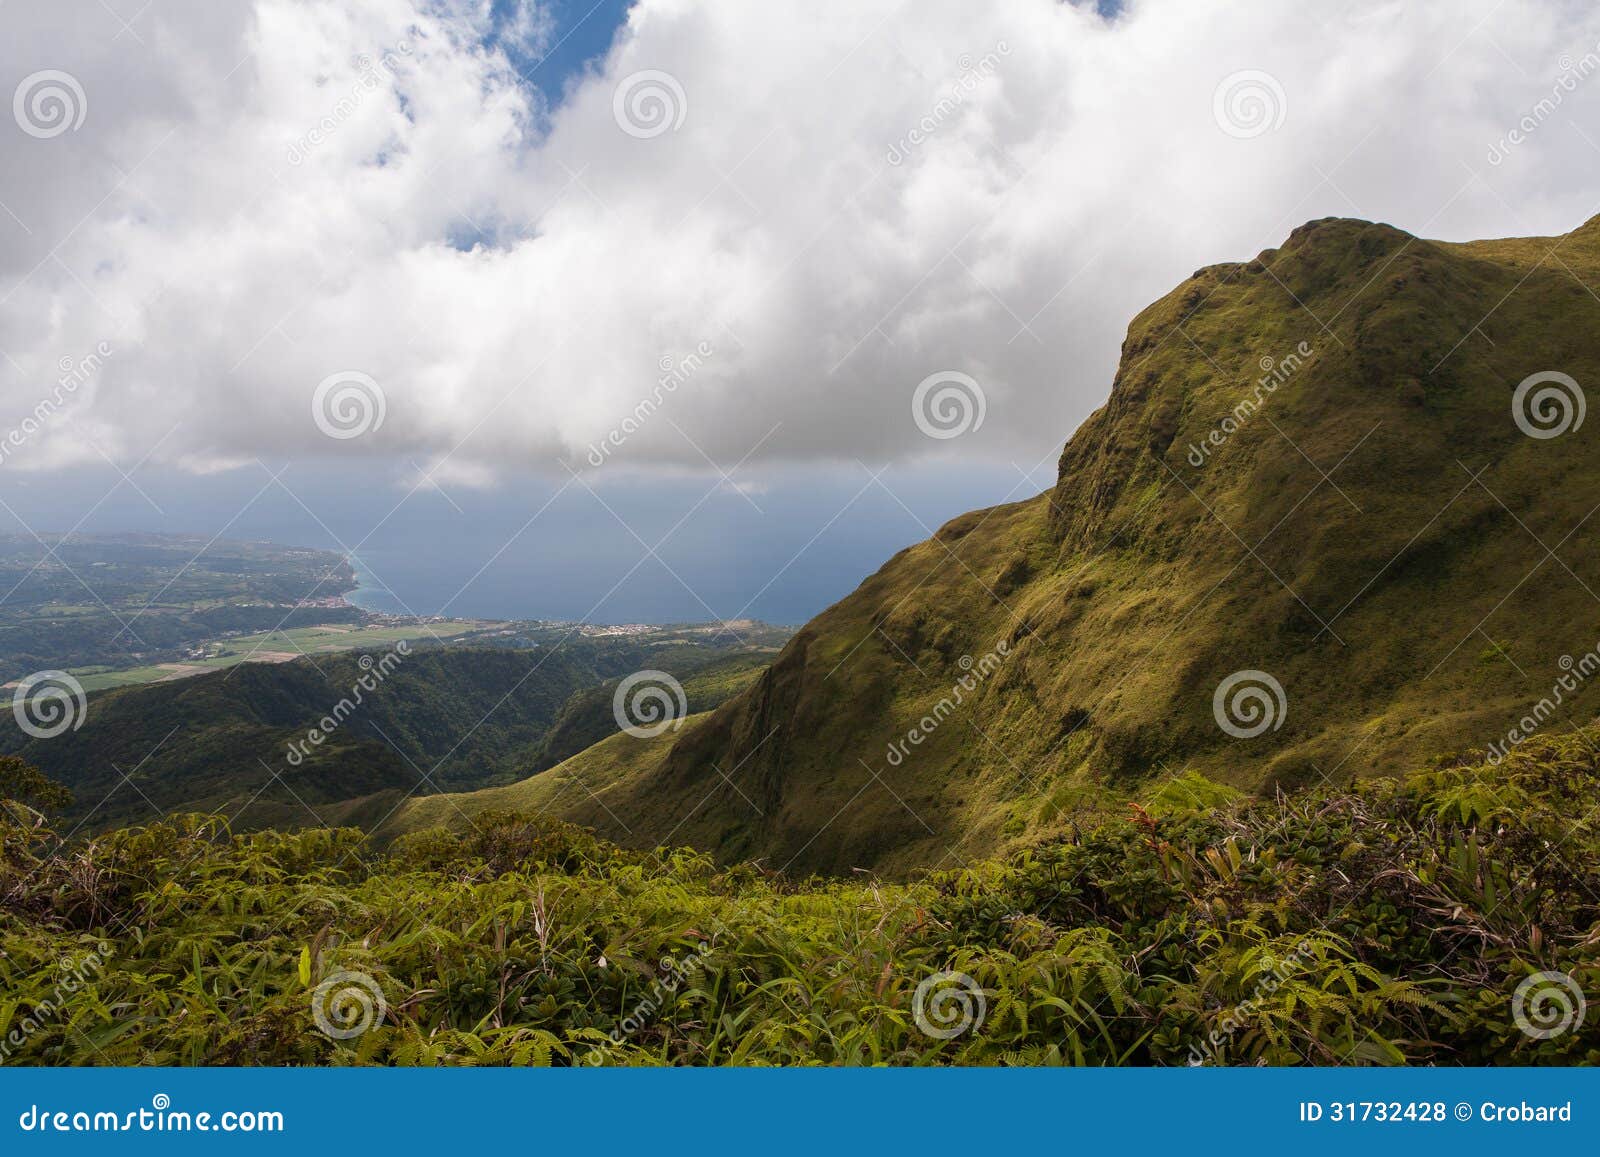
[275, 647]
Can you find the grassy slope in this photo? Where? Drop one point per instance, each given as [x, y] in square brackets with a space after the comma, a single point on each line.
[598, 785]
[1130, 591]
[579, 787]
[589, 716]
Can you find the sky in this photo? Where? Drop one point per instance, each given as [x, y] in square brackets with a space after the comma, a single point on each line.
[510, 297]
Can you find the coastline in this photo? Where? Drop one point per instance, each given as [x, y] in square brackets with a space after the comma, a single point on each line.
[367, 595]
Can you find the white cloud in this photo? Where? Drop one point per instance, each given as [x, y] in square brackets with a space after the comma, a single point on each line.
[264, 194]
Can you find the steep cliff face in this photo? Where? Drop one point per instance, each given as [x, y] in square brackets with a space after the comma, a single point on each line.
[1312, 486]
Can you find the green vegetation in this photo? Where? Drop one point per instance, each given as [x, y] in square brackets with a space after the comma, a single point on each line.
[588, 717]
[1133, 589]
[1385, 923]
[582, 788]
[23, 783]
[443, 718]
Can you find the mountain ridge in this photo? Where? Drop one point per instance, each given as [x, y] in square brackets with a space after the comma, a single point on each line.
[1382, 476]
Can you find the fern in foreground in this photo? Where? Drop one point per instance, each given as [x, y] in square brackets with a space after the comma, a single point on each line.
[1391, 922]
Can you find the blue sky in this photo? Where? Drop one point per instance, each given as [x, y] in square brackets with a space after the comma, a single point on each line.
[583, 31]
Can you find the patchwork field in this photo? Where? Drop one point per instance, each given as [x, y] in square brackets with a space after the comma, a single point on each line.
[275, 647]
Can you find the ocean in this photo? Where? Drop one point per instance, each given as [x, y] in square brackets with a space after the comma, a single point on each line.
[675, 549]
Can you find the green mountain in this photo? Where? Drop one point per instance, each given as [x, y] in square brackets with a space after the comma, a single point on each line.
[238, 742]
[1312, 474]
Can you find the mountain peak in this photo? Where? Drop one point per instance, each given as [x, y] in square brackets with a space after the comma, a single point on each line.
[1307, 474]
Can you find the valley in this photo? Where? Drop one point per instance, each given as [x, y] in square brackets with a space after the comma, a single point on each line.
[465, 711]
